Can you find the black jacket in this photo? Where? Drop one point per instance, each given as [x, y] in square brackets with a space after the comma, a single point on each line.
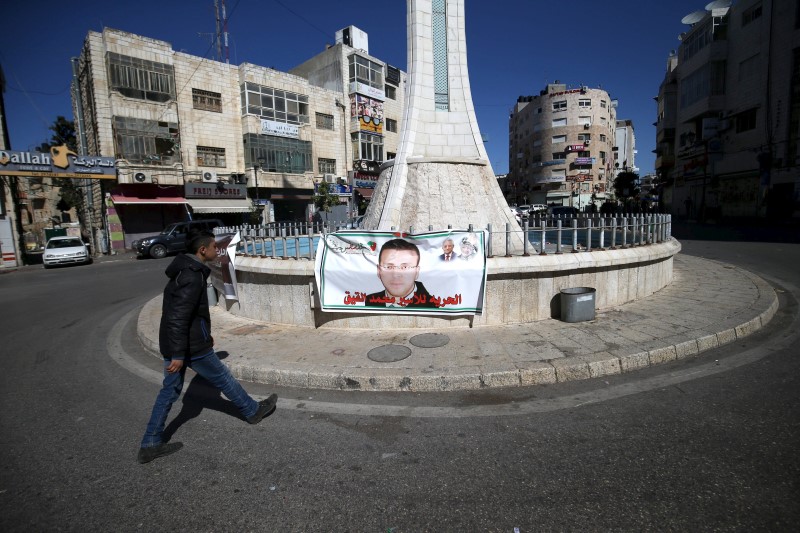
[420, 290]
[185, 330]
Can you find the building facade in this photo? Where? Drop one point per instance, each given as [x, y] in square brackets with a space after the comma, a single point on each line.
[729, 113]
[195, 137]
[560, 147]
[624, 159]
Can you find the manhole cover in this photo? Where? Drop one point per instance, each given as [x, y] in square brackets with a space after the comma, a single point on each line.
[389, 353]
[429, 340]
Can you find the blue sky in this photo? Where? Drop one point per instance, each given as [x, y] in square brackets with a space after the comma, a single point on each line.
[514, 48]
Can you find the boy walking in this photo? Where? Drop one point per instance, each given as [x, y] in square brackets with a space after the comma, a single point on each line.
[184, 339]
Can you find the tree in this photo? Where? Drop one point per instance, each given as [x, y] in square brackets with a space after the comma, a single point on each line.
[71, 196]
[625, 185]
[324, 199]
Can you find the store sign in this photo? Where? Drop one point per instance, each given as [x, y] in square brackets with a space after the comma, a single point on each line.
[576, 148]
[279, 129]
[549, 179]
[338, 189]
[365, 166]
[215, 191]
[364, 181]
[367, 90]
[584, 160]
[61, 162]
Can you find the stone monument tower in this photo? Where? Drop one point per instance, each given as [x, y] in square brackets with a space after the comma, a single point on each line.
[441, 174]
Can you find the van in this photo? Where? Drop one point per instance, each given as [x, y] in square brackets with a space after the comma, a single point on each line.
[172, 239]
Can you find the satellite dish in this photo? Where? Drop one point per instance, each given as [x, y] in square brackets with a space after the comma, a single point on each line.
[718, 4]
[693, 18]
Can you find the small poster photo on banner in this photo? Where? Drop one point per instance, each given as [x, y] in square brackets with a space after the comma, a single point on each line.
[435, 273]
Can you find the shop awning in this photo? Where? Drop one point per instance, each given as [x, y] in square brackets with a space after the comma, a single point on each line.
[224, 205]
[118, 199]
[290, 196]
[365, 191]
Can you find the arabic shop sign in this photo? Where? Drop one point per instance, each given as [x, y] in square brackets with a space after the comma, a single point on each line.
[364, 181]
[584, 160]
[215, 191]
[279, 129]
[61, 162]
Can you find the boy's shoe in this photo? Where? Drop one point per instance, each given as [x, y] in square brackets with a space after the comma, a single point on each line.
[165, 448]
[265, 407]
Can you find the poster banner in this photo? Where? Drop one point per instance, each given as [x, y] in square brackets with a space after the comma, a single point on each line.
[436, 273]
[223, 269]
[369, 113]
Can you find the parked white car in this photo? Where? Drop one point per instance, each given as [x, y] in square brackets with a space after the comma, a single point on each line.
[538, 208]
[65, 251]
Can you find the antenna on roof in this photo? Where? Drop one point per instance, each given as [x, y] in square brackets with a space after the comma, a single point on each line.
[693, 18]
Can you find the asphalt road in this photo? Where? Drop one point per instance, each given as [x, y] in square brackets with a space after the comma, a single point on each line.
[706, 444]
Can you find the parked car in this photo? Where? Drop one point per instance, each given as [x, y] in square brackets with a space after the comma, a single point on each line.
[172, 239]
[538, 208]
[563, 210]
[516, 214]
[65, 251]
[524, 210]
[356, 223]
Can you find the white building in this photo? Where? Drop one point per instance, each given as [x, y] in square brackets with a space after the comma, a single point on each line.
[197, 137]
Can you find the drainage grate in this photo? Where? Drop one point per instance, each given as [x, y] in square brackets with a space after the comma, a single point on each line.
[389, 353]
[429, 340]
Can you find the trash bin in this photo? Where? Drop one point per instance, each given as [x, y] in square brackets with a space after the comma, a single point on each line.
[577, 304]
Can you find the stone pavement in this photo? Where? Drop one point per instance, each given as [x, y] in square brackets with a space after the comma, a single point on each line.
[708, 304]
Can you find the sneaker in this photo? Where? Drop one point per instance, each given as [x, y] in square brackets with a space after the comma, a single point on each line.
[148, 454]
[265, 407]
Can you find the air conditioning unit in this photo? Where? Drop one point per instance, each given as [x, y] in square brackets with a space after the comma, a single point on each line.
[584, 88]
[210, 177]
[586, 143]
[587, 126]
[239, 179]
[141, 177]
[329, 178]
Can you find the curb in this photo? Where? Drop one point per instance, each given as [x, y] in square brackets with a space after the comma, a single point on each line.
[568, 368]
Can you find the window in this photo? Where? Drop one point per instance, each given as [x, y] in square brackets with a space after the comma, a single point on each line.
[537, 143]
[367, 146]
[584, 119]
[390, 155]
[748, 68]
[324, 122]
[538, 110]
[559, 155]
[274, 104]
[706, 81]
[560, 105]
[751, 14]
[146, 141]
[208, 156]
[391, 92]
[391, 125]
[559, 122]
[142, 79]
[602, 137]
[746, 120]
[326, 166]
[207, 100]
[602, 156]
[281, 154]
[603, 104]
[585, 153]
[559, 173]
[363, 70]
[559, 139]
[584, 102]
[698, 40]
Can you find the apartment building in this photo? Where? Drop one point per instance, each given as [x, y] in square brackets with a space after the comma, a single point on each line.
[729, 112]
[195, 137]
[560, 147]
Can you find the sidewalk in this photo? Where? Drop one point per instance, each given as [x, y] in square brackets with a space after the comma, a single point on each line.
[707, 305]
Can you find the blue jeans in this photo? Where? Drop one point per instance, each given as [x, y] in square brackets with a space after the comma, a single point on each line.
[216, 373]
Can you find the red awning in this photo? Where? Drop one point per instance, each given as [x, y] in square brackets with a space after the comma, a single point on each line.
[119, 199]
[365, 192]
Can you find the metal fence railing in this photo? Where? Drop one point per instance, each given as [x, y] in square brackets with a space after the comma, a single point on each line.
[545, 235]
